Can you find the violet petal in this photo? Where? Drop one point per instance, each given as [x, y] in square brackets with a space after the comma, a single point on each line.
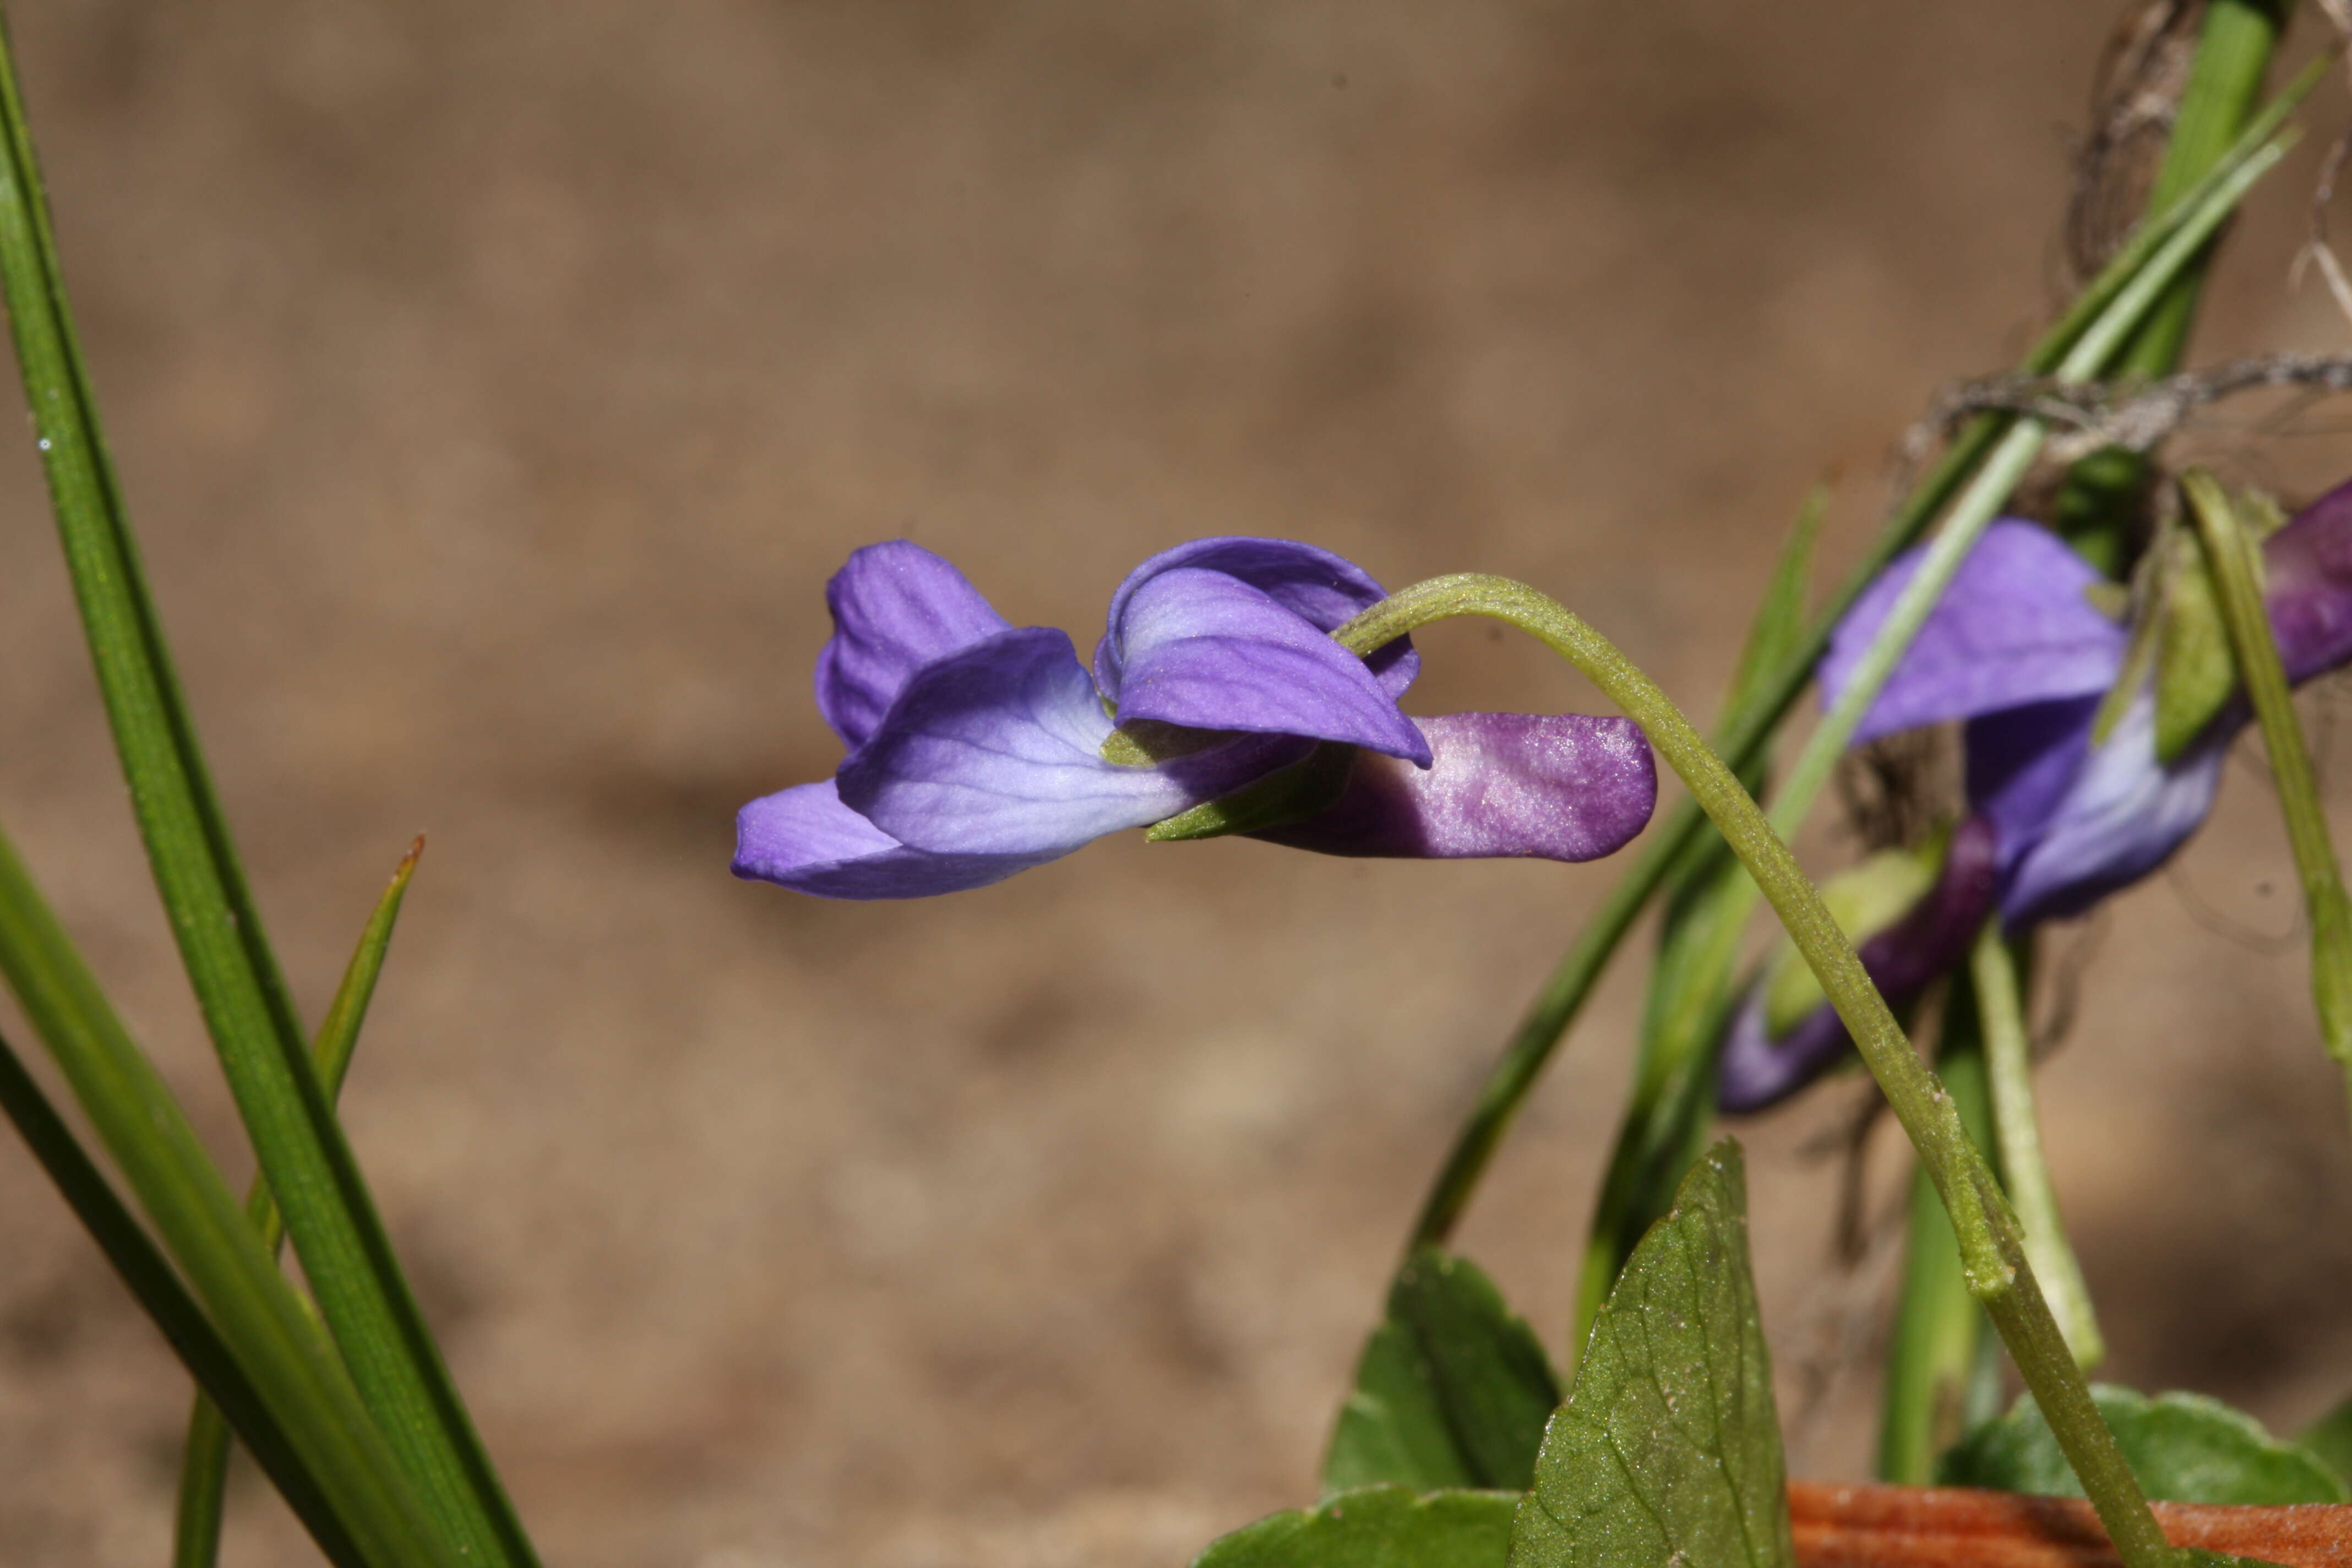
[1325, 590]
[2307, 569]
[2123, 817]
[805, 839]
[896, 608]
[995, 750]
[1756, 1070]
[1209, 651]
[1557, 786]
[2023, 761]
[2014, 628]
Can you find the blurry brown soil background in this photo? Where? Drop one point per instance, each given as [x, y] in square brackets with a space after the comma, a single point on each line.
[496, 384]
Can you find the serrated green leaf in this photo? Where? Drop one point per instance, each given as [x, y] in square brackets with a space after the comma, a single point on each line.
[2184, 1447]
[2330, 1440]
[1668, 1449]
[1283, 796]
[1453, 1389]
[1376, 1527]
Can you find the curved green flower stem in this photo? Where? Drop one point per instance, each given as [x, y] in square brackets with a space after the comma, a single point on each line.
[1750, 728]
[204, 1462]
[1932, 1353]
[2234, 564]
[1689, 1032]
[2017, 1128]
[1991, 1249]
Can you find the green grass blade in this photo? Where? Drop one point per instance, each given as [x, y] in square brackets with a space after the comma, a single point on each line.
[1664, 1126]
[2230, 555]
[1938, 1329]
[149, 1277]
[1696, 1011]
[2017, 1131]
[256, 1309]
[204, 1465]
[2233, 54]
[1747, 732]
[362, 1293]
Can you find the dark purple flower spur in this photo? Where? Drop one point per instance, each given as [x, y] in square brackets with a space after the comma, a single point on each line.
[976, 750]
[2062, 815]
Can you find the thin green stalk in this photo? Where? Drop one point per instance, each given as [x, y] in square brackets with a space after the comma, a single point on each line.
[1747, 732]
[148, 1275]
[2233, 54]
[345, 1253]
[1932, 1356]
[2010, 459]
[1991, 1246]
[254, 1308]
[2017, 1126]
[1690, 1032]
[2099, 508]
[2234, 564]
[204, 1465]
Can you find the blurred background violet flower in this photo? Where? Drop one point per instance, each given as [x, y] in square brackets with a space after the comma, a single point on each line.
[2088, 761]
[976, 750]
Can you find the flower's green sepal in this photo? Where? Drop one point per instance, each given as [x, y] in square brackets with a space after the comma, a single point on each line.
[1147, 743]
[1306, 788]
[2181, 636]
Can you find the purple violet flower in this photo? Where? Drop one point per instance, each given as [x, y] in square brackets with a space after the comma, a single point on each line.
[2018, 653]
[976, 749]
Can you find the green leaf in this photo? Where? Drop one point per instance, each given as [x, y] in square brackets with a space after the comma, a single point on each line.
[145, 1272]
[2330, 1439]
[1376, 1527]
[1668, 1449]
[2184, 1447]
[1452, 1390]
[204, 1465]
[1777, 632]
[256, 1311]
[347, 1259]
[1938, 1343]
[2234, 48]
